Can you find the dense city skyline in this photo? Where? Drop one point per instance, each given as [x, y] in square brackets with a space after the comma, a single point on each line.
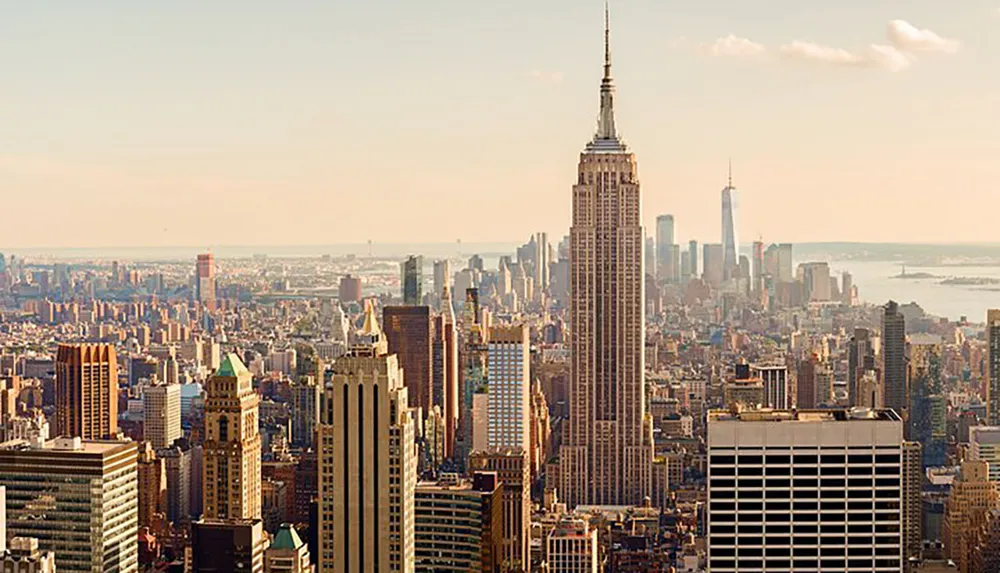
[622, 395]
[886, 114]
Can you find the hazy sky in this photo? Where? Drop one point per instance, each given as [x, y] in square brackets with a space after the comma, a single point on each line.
[263, 122]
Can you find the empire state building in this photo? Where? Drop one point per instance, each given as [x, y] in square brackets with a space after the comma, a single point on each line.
[606, 456]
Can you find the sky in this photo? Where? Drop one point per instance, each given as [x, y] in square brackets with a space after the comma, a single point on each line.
[255, 122]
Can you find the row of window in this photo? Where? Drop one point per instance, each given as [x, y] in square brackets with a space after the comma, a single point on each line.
[865, 518]
[887, 492]
[758, 529]
[866, 505]
[808, 564]
[804, 482]
[770, 459]
[802, 470]
[770, 551]
[801, 543]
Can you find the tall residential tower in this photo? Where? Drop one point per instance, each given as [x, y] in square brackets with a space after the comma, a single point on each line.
[86, 391]
[606, 458]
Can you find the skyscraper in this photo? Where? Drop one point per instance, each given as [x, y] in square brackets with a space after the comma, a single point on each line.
[205, 280]
[514, 470]
[86, 391]
[730, 240]
[897, 395]
[442, 277]
[773, 474]
[712, 262]
[541, 262]
[785, 263]
[472, 373]
[305, 410]
[984, 446]
[152, 485]
[408, 332]
[993, 366]
[972, 495]
[693, 254]
[445, 371]
[606, 457]
[508, 363]
[412, 280]
[664, 240]
[673, 269]
[78, 498]
[231, 469]
[367, 462]
[349, 289]
[861, 359]
[757, 273]
[161, 414]
[459, 524]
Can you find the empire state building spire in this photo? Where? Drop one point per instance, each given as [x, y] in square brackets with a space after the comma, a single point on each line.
[606, 138]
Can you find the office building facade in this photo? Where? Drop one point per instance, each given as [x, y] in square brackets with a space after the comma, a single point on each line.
[805, 490]
[571, 547]
[508, 363]
[78, 498]
[161, 415]
[86, 391]
[409, 335]
[459, 524]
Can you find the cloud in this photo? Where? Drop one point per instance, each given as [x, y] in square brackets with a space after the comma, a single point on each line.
[909, 38]
[733, 46]
[905, 41]
[551, 77]
[874, 56]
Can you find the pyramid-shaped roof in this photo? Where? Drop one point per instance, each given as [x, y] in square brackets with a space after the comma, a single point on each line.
[286, 538]
[231, 366]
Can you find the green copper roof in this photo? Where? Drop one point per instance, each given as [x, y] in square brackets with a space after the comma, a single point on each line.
[286, 538]
[231, 366]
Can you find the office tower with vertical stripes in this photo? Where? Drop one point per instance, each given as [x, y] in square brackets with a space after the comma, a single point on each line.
[86, 391]
[367, 462]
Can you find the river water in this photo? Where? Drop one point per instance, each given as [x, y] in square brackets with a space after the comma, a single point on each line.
[876, 285]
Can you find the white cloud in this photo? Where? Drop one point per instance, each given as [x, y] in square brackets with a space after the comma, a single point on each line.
[874, 56]
[909, 38]
[551, 77]
[735, 46]
[904, 41]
